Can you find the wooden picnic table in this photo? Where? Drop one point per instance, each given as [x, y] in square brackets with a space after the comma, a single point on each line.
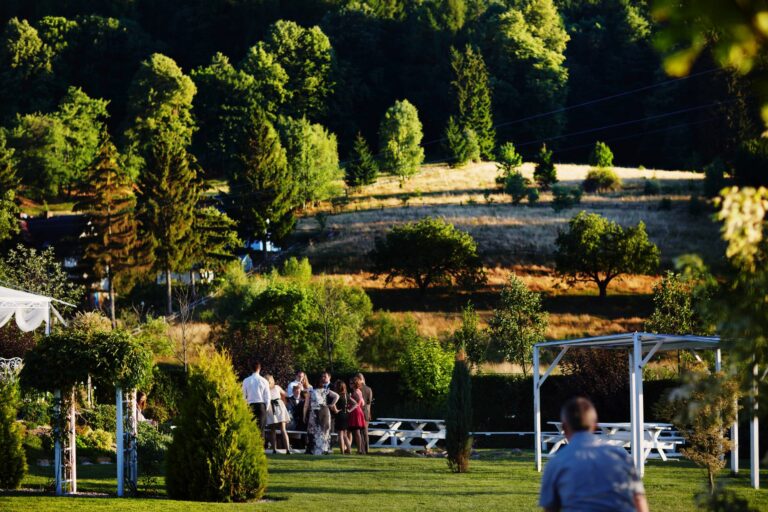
[657, 436]
[402, 432]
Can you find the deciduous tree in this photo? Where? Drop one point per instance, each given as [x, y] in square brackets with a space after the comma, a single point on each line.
[598, 250]
[426, 253]
[400, 137]
[518, 322]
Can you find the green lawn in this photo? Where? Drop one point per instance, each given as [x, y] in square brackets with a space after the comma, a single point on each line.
[377, 483]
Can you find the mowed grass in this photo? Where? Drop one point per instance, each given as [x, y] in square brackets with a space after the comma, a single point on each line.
[498, 481]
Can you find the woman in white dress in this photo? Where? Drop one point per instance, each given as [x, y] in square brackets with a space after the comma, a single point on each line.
[277, 415]
[317, 413]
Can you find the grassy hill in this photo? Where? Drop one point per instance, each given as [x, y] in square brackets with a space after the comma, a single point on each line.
[519, 239]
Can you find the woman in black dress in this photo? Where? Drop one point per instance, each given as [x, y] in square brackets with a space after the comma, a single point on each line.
[342, 417]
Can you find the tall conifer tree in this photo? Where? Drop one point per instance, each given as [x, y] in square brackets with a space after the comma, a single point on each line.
[473, 96]
[362, 167]
[169, 191]
[109, 203]
[263, 192]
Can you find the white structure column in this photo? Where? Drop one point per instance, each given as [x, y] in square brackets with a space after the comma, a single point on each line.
[58, 473]
[632, 405]
[119, 438]
[754, 434]
[638, 433]
[536, 410]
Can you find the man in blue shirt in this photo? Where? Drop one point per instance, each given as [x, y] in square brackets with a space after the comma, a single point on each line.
[587, 475]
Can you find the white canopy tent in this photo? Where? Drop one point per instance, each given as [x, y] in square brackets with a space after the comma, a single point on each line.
[29, 310]
[641, 347]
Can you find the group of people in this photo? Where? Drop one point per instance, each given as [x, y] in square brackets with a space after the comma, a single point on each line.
[317, 410]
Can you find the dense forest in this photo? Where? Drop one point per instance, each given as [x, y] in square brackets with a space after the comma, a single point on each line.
[566, 72]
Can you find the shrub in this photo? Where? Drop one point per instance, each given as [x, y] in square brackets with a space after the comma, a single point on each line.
[298, 269]
[152, 446]
[470, 339]
[545, 173]
[458, 421]
[425, 367]
[533, 195]
[601, 155]
[96, 439]
[14, 460]
[516, 186]
[564, 197]
[508, 161]
[217, 452]
[100, 416]
[601, 179]
[34, 409]
[651, 187]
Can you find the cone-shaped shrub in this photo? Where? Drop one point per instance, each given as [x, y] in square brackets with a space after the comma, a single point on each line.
[217, 453]
[458, 441]
[13, 461]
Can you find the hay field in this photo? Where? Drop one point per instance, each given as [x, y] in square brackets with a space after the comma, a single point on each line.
[506, 234]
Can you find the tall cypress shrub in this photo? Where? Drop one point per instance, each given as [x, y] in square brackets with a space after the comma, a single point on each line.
[458, 441]
[217, 453]
[13, 460]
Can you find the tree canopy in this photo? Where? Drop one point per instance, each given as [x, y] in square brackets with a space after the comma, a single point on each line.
[596, 249]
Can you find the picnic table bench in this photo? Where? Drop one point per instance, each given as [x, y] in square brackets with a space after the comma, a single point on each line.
[402, 432]
[658, 437]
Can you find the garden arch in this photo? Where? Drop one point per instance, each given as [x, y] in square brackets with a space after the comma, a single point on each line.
[641, 347]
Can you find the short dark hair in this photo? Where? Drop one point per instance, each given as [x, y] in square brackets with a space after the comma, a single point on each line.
[579, 414]
[257, 365]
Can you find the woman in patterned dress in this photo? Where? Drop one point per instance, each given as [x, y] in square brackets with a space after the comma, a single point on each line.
[318, 417]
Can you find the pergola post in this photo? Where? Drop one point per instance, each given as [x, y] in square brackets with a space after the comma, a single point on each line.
[632, 407]
[754, 437]
[58, 474]
[72, 477]
[119, 438]
[536, 409]
[638, 429]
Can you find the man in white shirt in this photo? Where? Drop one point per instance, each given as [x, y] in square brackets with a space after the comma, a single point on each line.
[297, 381]
[256, 393]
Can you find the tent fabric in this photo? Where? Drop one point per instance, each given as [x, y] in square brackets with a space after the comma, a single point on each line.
[29, 310]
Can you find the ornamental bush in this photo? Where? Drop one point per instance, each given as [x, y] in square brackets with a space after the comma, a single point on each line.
[458, 421]
[13, 461]
[517, 187]
[564, 197]
[217, 452]
[425, 367]
[601, 155]
[601, 179]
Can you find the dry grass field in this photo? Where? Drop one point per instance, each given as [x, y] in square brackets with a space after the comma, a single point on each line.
[512, 239]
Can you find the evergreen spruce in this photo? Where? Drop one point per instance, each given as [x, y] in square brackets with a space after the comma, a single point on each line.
[545, 173]
[362, 167]
[263, 192]
[456, 143]
[601, 155]
[458, 421]
[473, 95]
[169, 191]
[109, 203]
[14, 461]
[217, 453]
[214, 239]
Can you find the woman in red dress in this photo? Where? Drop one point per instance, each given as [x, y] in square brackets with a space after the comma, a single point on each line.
[356, 418]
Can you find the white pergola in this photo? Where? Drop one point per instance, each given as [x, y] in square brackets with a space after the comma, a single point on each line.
[29, 310]
[641, 347]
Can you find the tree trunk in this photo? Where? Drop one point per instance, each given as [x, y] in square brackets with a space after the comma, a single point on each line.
[264, 253]
[603, 287]
[192, 282]
[168, 290]
[111, 300]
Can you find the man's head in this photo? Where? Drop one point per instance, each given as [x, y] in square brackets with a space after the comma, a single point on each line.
[257, 366]
[325, 377]
[299, 375]
[578, 415]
